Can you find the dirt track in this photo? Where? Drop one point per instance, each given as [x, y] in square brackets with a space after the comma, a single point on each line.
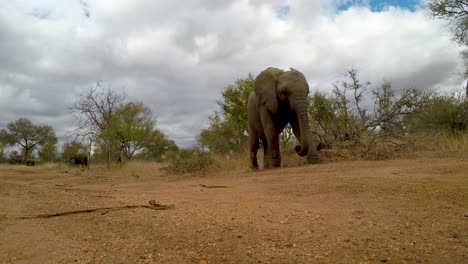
[405, 211]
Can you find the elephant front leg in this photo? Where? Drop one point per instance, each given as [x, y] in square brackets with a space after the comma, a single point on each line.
[271, 136]
[253, 153]
[313, 156]
[276, 157]
[272, 155]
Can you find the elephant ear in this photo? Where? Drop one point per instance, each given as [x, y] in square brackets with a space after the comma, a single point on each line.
[293, 80]
[265, 88]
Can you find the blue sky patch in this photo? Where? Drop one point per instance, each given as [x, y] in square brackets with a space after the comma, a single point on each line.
[40, 13]
[380, 5]
[282, 11]
[85, 7]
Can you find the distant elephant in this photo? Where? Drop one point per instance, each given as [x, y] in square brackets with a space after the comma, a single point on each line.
[19, 160]
[80, 159]
[30, 163]
[280, 97]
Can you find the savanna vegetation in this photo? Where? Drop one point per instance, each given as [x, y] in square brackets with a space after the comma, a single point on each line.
[359, 119]
[409, 210]
[109, 130]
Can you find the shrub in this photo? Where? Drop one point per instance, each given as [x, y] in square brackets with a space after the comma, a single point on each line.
[189, 161]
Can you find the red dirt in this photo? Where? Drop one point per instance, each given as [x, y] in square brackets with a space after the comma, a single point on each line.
[402, 211]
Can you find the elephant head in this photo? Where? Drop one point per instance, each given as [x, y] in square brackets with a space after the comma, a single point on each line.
[288, 90]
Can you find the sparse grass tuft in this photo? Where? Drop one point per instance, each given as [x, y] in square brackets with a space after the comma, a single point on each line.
[132, 168]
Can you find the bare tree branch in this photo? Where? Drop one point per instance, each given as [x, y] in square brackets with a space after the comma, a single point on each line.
[94, 109]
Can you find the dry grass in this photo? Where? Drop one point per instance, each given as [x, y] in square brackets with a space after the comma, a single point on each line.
[38, 168]
[236, 163]
[443, 145]
[424, 146]
[458, 144]
[134, 169]
[240, 163]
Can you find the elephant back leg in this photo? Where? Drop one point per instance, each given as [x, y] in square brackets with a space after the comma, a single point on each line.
[266, 160]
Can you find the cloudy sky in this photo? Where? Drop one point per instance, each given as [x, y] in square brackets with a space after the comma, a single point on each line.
[177, 56]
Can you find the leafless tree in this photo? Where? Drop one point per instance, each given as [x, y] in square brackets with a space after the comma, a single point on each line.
[93, 110]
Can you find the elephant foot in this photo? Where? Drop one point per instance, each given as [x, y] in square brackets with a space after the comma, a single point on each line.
[272, 165]
[313, 157]
[254, 162]
[276, 163]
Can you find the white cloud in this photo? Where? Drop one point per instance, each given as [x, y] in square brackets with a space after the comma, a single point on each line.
[177, 58]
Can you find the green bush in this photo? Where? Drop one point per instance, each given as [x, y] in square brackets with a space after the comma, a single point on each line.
[442, 113]
[188, 161]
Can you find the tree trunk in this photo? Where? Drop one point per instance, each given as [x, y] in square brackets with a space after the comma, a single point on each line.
[108, 154]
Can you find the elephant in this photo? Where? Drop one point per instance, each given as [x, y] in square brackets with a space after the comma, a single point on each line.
[80, 159]
[279, 97]
[22, 160]
[17, 160]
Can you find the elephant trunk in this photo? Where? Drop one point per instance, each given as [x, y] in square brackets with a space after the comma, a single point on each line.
[303, 118]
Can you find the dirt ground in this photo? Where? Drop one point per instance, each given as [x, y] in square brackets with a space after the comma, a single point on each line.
[401, 211]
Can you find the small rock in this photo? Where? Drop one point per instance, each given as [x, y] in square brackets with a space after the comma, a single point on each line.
[466, 214]
[384, 260]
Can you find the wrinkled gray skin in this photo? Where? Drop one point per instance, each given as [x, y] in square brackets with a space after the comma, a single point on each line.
[280, 97]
